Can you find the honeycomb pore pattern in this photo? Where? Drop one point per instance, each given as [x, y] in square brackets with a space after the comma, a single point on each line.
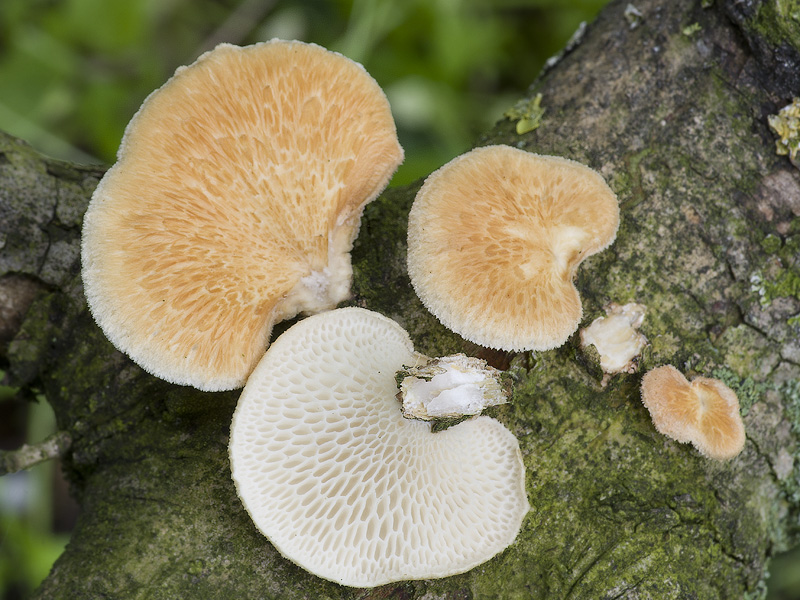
[346, 487]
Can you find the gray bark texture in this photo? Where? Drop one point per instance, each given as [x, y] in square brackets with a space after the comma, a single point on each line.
[675, 118]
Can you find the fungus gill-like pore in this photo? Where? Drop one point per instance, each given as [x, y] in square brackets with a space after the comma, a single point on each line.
[704, 412]
[347, 488]
[233, 204]
[495, 238]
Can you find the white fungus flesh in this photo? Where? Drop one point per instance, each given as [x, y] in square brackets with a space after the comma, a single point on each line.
[616, 337]
[234, 203]
[449, 387]
[343, 485]
[495, 238]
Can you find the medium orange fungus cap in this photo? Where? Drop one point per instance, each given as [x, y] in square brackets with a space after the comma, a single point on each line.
[704, 412]
[233, 205]
[495, 237]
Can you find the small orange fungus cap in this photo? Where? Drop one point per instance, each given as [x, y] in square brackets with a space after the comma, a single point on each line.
[234, 204]
[704, 412]
[495, 238]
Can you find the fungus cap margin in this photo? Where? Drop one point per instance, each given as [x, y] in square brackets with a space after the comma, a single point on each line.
[343, 485]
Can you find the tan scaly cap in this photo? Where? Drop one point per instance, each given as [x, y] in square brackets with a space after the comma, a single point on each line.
[494, 240]
[234, 203]
[704, 412]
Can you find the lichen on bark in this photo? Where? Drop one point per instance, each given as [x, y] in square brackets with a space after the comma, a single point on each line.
[677, 125]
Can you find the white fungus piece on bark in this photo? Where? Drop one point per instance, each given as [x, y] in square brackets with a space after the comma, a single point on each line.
[450, 387]
[334, 476]
[236, 197]
[616, 337]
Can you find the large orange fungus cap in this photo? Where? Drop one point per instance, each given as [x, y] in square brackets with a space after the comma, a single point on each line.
[234, 204]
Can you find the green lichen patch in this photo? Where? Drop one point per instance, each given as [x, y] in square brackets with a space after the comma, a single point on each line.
[787, 285]
[771, 244]
[527, 113]
[779, 22]
[744, 351]
[747, 389]
[781, 283]
[772, 30]
[690, 30]
[776, 275]
[786, 125]
[791, 394]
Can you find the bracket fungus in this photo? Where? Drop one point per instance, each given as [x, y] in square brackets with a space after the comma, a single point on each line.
[334, 476]
[495, 238]
[704, 412]
[233, 205]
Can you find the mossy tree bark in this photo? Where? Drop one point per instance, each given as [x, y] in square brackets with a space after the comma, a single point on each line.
[675, 119]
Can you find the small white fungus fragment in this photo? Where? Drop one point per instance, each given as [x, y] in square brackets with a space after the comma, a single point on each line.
[616, 337]
[633, 15]
[449, 387]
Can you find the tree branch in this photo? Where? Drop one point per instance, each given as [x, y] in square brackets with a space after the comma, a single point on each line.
[29, 455]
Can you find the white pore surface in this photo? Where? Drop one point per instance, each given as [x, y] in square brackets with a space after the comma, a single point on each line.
[346, 487]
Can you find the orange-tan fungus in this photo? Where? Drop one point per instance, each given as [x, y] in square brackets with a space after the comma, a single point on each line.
[495, 238]
[234, 203]
[704, 412]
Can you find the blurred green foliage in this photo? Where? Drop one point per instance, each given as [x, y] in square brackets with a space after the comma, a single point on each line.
[28, 546]
[784, 583]
[73, 72]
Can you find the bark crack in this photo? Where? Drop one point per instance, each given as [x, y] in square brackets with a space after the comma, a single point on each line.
[773, 472]
[585, 571]
[44, 227]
